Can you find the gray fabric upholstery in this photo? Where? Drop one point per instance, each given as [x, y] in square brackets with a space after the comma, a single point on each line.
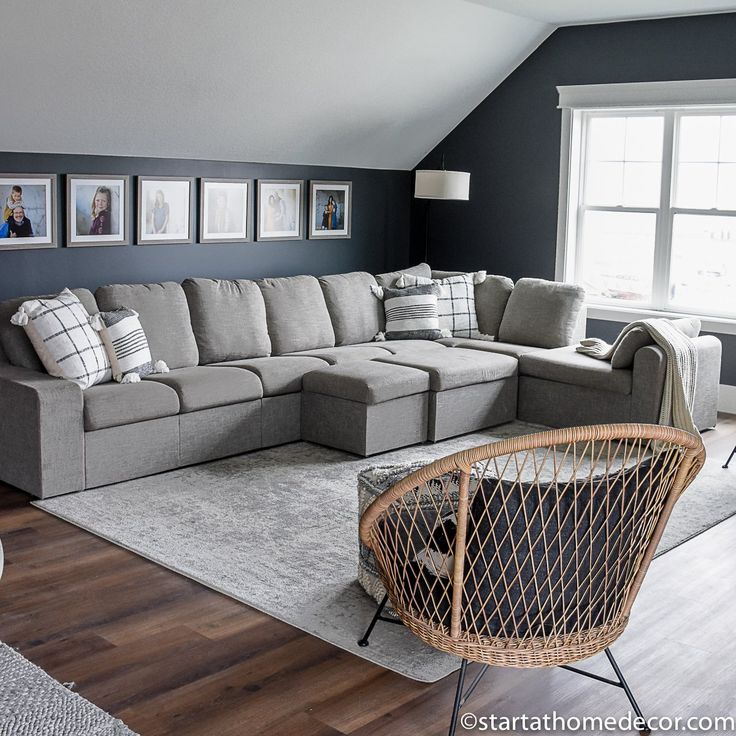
[113, 404]
[648, 374]
[296, 314]
[357, 316]
[457, 367]
[541, 313]
[491, 299]
[281, 419]
[568, 366]
[116, 454]
[203, 387]
[228, 319]
[397, 347]
[344, 353]
[278, 374]
[489, 346]
[390, 278]
[219, 432]
[164, 315]
[41, 426]
[15, 344]
[470, 408]
[705, 412]
[566, 405]
[638, 337]
[361, 428]
[366, 382]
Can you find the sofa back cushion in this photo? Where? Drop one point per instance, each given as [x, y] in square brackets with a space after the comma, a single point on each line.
[638, 337]
[296, 314]
[15, 343]
[164, 315]
[541, 313]
[357, 316]
[390, 279]
[228, 319]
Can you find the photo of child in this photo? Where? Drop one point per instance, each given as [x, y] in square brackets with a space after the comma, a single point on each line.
[97, 210]
[165, 209]
[28, 211]
[224, 211]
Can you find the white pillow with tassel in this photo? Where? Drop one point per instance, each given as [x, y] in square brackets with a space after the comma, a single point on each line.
[127, 345]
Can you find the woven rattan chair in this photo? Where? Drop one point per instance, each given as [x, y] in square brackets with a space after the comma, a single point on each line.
[529, 552]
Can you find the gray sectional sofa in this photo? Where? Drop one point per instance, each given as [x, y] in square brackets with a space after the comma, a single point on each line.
[261, 363]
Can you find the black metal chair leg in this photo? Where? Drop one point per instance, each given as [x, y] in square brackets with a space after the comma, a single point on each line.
[625, 685]
[733, 452]
[364, 641]
[458, 698]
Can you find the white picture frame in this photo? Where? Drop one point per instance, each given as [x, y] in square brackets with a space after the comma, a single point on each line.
[36, 212]
[89, 223]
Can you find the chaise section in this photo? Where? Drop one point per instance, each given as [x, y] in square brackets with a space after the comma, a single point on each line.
[365, 407]
[489, 346]
[345, 353]
[115, 404]
[469, 389]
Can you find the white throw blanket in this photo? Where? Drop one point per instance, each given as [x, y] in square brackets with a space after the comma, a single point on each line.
[678, 394]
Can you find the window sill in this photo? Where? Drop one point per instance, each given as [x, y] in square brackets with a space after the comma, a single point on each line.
[721, 325]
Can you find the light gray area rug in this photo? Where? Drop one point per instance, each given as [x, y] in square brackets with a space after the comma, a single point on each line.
[277, 529]
[32, 703]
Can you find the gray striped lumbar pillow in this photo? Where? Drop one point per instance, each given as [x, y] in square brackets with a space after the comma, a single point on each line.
[411, 314]
[127, 345]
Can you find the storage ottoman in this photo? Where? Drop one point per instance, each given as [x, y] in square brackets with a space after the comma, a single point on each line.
[365, 407]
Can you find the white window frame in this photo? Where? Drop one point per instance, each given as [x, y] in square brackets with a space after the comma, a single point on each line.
[668, 99]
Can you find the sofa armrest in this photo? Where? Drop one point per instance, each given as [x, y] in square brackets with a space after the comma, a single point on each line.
[649, 371]
[42, 429]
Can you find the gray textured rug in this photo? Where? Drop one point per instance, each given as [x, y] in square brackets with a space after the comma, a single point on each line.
[277, 529]
[32, 703]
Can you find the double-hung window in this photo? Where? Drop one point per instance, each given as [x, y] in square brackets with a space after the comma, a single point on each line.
[648, 197]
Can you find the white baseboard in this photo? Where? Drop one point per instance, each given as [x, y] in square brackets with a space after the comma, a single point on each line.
[727, 399]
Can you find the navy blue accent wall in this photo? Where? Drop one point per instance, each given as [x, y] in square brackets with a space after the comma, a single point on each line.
[380, 230]
[511, 144]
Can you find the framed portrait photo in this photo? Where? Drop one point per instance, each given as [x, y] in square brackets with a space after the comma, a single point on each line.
[225, 211]
[330, 209]
[165, 209]
[28, 204]
[280, 209]
[97, 210]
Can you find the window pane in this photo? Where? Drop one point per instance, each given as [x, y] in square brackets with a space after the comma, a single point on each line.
[604, 183]
[617, 251]
[728, 139]
[703, 266]
[727, 186]
[697, 185]
[699, 136]
[644, 139]
[641, 184]
[606, 139]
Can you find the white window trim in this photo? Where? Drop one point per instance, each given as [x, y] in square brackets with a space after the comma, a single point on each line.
[573, 99]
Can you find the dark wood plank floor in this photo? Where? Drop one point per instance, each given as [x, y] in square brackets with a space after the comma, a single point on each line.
[169, 656]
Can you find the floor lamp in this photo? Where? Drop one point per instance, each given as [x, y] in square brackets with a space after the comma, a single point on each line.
[440, 184]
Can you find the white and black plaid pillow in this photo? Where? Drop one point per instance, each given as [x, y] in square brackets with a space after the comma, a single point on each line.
[63, 339]
[456, 302]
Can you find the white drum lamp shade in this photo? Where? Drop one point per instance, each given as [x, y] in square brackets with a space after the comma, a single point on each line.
[441, 184]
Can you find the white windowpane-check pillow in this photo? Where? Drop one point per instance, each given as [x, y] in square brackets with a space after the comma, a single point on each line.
[411, 314]
[456, 302]
[127, 345]
[63, 339]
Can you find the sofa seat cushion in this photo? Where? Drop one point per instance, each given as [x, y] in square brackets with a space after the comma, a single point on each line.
[357, 316]
[115, 404]
[228, 319]
[565, 365]
[457, 367]
[367, 382]
[164, 314]
[278, 374]
[296, 314]
[344, 353]
[489, 346]
[204, 387]
[397, 347]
